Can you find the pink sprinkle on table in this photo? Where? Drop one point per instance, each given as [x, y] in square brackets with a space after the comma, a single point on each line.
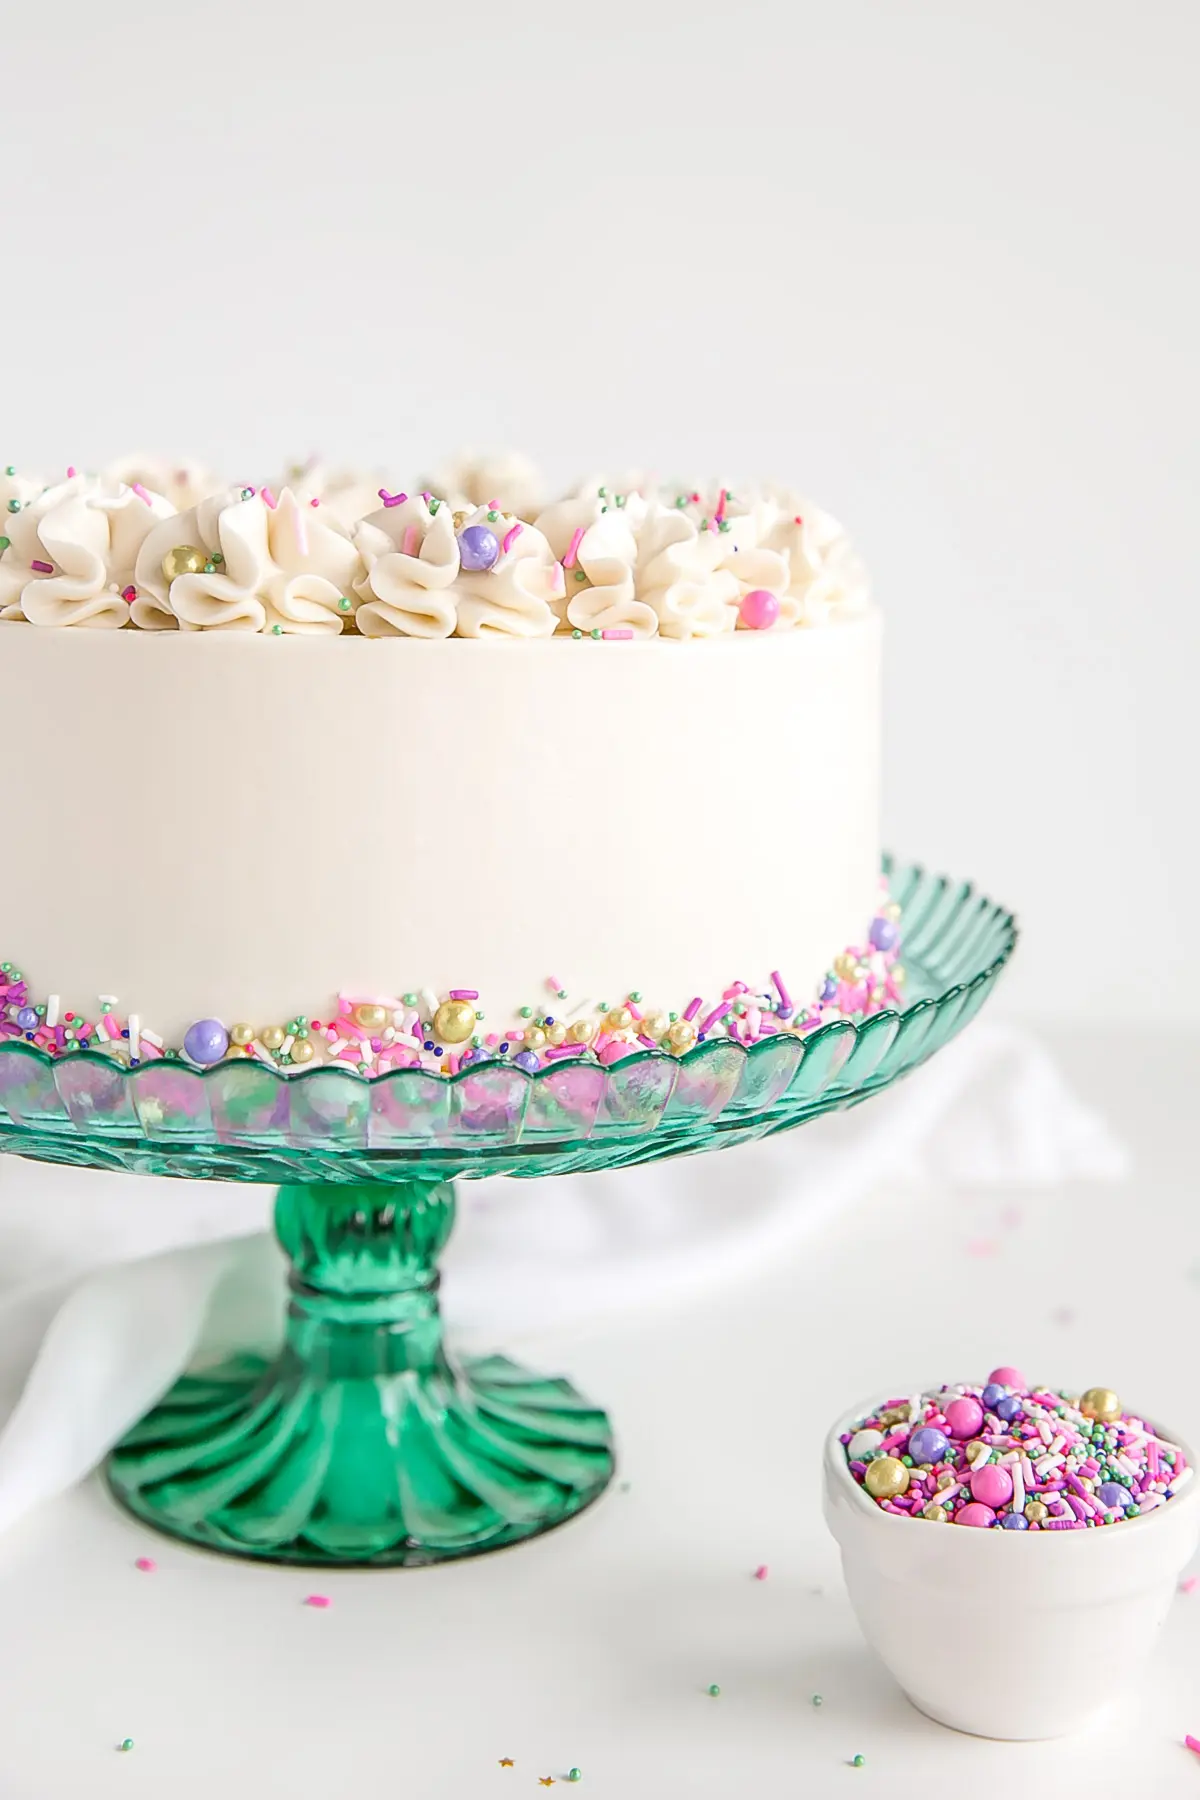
[317, 1600]
[147, 1564]
[1189, 1584]
[1192, 1743]
[760, 1574]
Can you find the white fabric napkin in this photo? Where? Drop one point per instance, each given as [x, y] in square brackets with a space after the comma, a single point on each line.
[113, 1284]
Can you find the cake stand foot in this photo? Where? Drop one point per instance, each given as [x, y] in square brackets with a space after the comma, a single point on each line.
[365, 1443]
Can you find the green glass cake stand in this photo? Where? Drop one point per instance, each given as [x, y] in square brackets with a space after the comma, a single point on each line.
[368, 1441]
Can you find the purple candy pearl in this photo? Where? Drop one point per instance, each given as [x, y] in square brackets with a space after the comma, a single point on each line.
[206, 1041]
[927, 1444]
[1007, 1408]
[27, 1019]
[478, 547]
[884, 934]
[1015, 1522]
[829, 991]
[1112, 1494]
[991, 1393]
[527, 1059]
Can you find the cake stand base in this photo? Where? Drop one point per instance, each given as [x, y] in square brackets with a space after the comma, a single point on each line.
[365, 1443]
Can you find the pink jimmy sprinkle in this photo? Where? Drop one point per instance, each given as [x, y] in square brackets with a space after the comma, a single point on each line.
[693, 1007]
[760, 1574]
[785, 999]
[140, 491]
[426, 496]
[147, 1564]
[317, 1600]
[1192, 1743]
[721, 504]
[43, 568]
[464, 993]
[268, 498]
[568, 561]
[314, 502]
[410, 540]
[511, 536]
[392, 499]
[621, 631]
[1189, 1584]
[71, 471]
[717, 1013]
[554, 984]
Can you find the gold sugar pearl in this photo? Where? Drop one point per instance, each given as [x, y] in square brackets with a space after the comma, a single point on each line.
[371, 1018]
[184, 559]
[935, 1512]
[681, 1035]
[535, 1037]
[454, 1021]
[845, 966]
[271, 1036]
[1035, 1511]
[654, 1025]
[303, 1050]
[238, 1050]
[556, 1034]
[241, 1034]
[885, 1478]
[582, 1031]
[619, 1019]
[1100, 1403]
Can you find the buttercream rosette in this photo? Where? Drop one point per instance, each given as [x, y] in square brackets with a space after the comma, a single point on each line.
[594, 536]
[270, 564]
[410, 561]
[826, 576]
[521, 594]
[505, 481]
[347, 496]
[72, 552]
[183, 480]
[679, 575]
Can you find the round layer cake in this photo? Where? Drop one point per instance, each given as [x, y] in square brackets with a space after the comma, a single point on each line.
[283, 812]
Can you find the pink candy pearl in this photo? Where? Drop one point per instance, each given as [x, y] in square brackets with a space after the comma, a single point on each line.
[759, 610]
[992, 1485]
[964, 1416]
[1011, 1378]
[974, 1514]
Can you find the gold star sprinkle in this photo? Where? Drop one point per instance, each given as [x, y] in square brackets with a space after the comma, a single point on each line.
[546, 1780]
[506, 1762]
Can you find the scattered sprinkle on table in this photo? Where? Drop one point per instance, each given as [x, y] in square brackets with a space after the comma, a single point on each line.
[760, 1574]
[317, 1600]
[545, 1781]
[714, 1690]
[1009, 1456]
[574, 1774]
[125, 1744]
[1188, 1584]
[1192, 1743]
[817, 1700]
[856, 1762]
[147, 1564]
[506, 1762]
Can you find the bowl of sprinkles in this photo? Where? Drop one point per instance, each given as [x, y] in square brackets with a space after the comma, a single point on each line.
[991, 1637]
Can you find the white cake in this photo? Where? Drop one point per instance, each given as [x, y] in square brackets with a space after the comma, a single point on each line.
[336, 777]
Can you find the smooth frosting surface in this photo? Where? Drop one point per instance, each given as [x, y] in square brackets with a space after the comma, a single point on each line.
[465, 815]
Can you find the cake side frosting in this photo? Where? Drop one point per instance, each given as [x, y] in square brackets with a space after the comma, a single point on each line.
[285, 822]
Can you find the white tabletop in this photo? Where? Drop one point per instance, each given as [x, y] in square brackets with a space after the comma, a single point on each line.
[595, 1647]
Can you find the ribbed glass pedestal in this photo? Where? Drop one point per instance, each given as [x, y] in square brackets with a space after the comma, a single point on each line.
[365, 1442]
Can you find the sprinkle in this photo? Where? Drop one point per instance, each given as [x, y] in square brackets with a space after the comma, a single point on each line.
[52, 1006]
[135, 1034]
[568, 561]
[785, 999]
[693, 1007]
[760, 1574]
[1192, 1743]
[125, 1744]
[716, 1015]
[141, 493]
[392, 499]
[268, 498]
[714, 1690]
[511, 536]
[147, 1564]
[317, 1600]
[1188, 1584]
[43, 568]
[464, 993]
[619, 632]
[817, 1700]
[410, 540]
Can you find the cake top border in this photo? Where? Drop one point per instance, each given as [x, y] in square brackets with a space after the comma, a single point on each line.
[471, 552]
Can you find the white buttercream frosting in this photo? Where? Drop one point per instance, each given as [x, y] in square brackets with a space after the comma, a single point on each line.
[506, 480]
[72, 551]
[522, 592]
[274, 564]
[410, 561]
[346, 495]
[595, 539]
[679, 575]
[183, 480]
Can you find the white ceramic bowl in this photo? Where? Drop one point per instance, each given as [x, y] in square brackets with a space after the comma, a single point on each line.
[1003, 1633]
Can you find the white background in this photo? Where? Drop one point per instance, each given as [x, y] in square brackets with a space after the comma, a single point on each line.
[936, 262]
